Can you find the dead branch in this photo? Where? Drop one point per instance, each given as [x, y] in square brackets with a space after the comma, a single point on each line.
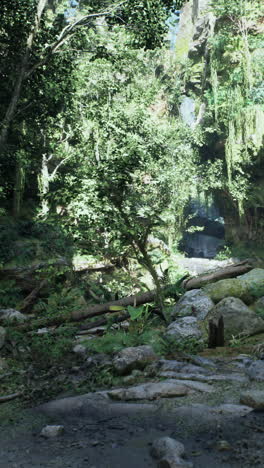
[30, 300]
[12, 396]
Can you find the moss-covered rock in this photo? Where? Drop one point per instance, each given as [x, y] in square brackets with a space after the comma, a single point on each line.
[247, 287]
[253, 282]
[226, 288]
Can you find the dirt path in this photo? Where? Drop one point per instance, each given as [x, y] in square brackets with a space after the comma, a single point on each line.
[119, 440]
[216, 431]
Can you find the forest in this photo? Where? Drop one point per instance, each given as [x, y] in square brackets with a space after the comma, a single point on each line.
[132, 219]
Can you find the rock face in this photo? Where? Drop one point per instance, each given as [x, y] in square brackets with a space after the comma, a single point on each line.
[12, 315]
[194, 302]
[2, 336]
[204, 30]
[186, 327]
[238, 318]
[133, 358]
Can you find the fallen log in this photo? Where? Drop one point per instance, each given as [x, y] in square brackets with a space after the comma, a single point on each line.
[231, 271]
[134, 300]
[149, 296]
[103, 321]
[100, 309]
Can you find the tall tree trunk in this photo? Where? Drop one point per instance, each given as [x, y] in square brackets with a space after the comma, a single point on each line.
[20, 78]
[43, 182]
[18, 188]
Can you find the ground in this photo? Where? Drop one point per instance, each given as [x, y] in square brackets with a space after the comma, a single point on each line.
[99, 435]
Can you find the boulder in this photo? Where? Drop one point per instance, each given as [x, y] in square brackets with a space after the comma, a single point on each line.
[258, 306]
[2, 336]
[80, 350]
[238, 318]
[194, 302]
[246, 287]
[12, 315]
[231, 287]
[253, 282]
[98, 360]
[169, 452]
[256, 371]
[185, 327]
[133, 358]
[253, 398]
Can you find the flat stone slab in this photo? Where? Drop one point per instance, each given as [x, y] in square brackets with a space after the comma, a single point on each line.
[205, 378]
[195, 385]
[202, 412]
[92, 404]
[150, 391]
[181, 366]
[254, 399]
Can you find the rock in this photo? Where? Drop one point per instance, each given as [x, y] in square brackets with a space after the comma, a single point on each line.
[253, 282]
[231, 409]
[223, 445]
[150, 391]
[133, 358]
[258, 306]
[185, 327]
[2, 336]
[253, 398]
[100, 359]
[133, 377]
[12, 315]
[256, 371]
[3, 364]
[203, 362]
[172, 462]
[178, 366]
[52, 431]
[43, 331]
[169, 452]
[246, 287]
[165, 445]
[194, 302]
[230, 287]
[194, 385]
[238, 318]
[80, 350]
[204, 378]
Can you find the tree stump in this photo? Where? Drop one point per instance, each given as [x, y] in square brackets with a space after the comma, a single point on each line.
[216, 333]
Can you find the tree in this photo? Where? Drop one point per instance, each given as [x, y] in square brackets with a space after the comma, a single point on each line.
[39, 71]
